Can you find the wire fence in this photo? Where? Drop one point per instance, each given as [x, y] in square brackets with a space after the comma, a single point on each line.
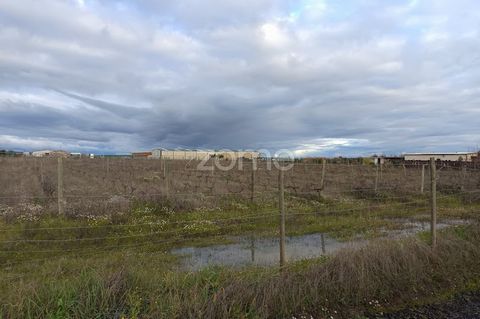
[91, 187]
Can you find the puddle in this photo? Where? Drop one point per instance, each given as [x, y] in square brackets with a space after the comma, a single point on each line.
[260, 251]
[265, 251]
[412, 227]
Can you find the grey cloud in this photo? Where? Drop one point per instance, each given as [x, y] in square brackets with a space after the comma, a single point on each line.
[118, 76]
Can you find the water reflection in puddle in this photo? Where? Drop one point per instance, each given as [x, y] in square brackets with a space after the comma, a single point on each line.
[260, 251]
[265, 251]
[412, 227]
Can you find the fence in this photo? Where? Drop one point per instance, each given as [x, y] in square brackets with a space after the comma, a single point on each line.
[90, 187]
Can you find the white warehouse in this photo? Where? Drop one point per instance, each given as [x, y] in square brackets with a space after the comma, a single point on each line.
[453, 157]
[202, 154]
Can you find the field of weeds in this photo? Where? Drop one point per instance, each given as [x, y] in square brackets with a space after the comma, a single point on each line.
[110, 254]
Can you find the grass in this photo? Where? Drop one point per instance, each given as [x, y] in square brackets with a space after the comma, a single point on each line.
[385, 275]
[119, 265]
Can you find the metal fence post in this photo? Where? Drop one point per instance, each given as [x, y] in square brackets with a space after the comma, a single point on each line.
[433, 223]
[281, 203]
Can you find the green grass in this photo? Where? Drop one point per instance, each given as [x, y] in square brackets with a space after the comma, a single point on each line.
[126, 270]
[380, 277]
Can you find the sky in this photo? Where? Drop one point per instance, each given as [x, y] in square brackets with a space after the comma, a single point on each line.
[317, 77]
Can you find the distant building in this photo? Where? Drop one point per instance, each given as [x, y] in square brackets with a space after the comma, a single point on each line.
[378, 160]
[202, 154]
[6, 153]
[49, 153]
[448, 157]
[142, 155]
[383, 159]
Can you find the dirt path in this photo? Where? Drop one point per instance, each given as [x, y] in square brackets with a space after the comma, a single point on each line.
[465, 306]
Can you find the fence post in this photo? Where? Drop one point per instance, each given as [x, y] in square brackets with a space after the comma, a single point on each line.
[422, 186]
[252, 195]
[42, 176]
[164, 168]
[61, 208]
[324, 166]
[464, 176]
[281, 203]
[165, 175]
[352, 175]
[322, 181]
[433, 178]
[376, 177]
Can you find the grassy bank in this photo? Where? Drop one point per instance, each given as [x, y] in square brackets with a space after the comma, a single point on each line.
[384, 275]
[119, 265]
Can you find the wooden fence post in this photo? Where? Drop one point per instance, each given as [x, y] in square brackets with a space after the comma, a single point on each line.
[281, 203]
[381, 171]
[464, 176]
[60, 201]
[324, 167]
[422, 186]
[433, 222]
[376, 177]
[166, 179]
[252, 195]
[164, 168]
[352, 175]
[252, 248]
[322, 237]
[42, 176]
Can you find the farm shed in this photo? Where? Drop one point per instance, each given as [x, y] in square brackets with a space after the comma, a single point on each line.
[448, 157]
[378, 160]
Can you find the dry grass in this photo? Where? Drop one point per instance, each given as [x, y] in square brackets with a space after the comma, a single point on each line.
[96, 186]
[144, 283]
[383, 275]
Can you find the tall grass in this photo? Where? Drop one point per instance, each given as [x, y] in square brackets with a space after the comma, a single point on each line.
[380, 276]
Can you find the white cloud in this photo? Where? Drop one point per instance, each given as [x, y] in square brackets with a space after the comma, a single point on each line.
[313, 76]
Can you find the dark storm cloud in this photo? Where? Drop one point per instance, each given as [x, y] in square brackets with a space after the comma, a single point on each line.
[314, 76]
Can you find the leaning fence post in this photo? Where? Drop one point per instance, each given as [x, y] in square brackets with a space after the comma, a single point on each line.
[60, 201]
[281, 203]
[433, 178]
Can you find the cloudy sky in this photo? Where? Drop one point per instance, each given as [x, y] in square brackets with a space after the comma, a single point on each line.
[320, 77]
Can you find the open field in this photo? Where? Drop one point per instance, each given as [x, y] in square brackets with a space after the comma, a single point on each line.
[110, 253]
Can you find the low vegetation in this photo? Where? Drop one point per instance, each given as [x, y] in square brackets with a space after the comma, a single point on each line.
[383, 276]
[112, 258]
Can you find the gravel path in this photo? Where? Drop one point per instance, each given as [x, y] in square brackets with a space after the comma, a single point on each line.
[464, 306]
